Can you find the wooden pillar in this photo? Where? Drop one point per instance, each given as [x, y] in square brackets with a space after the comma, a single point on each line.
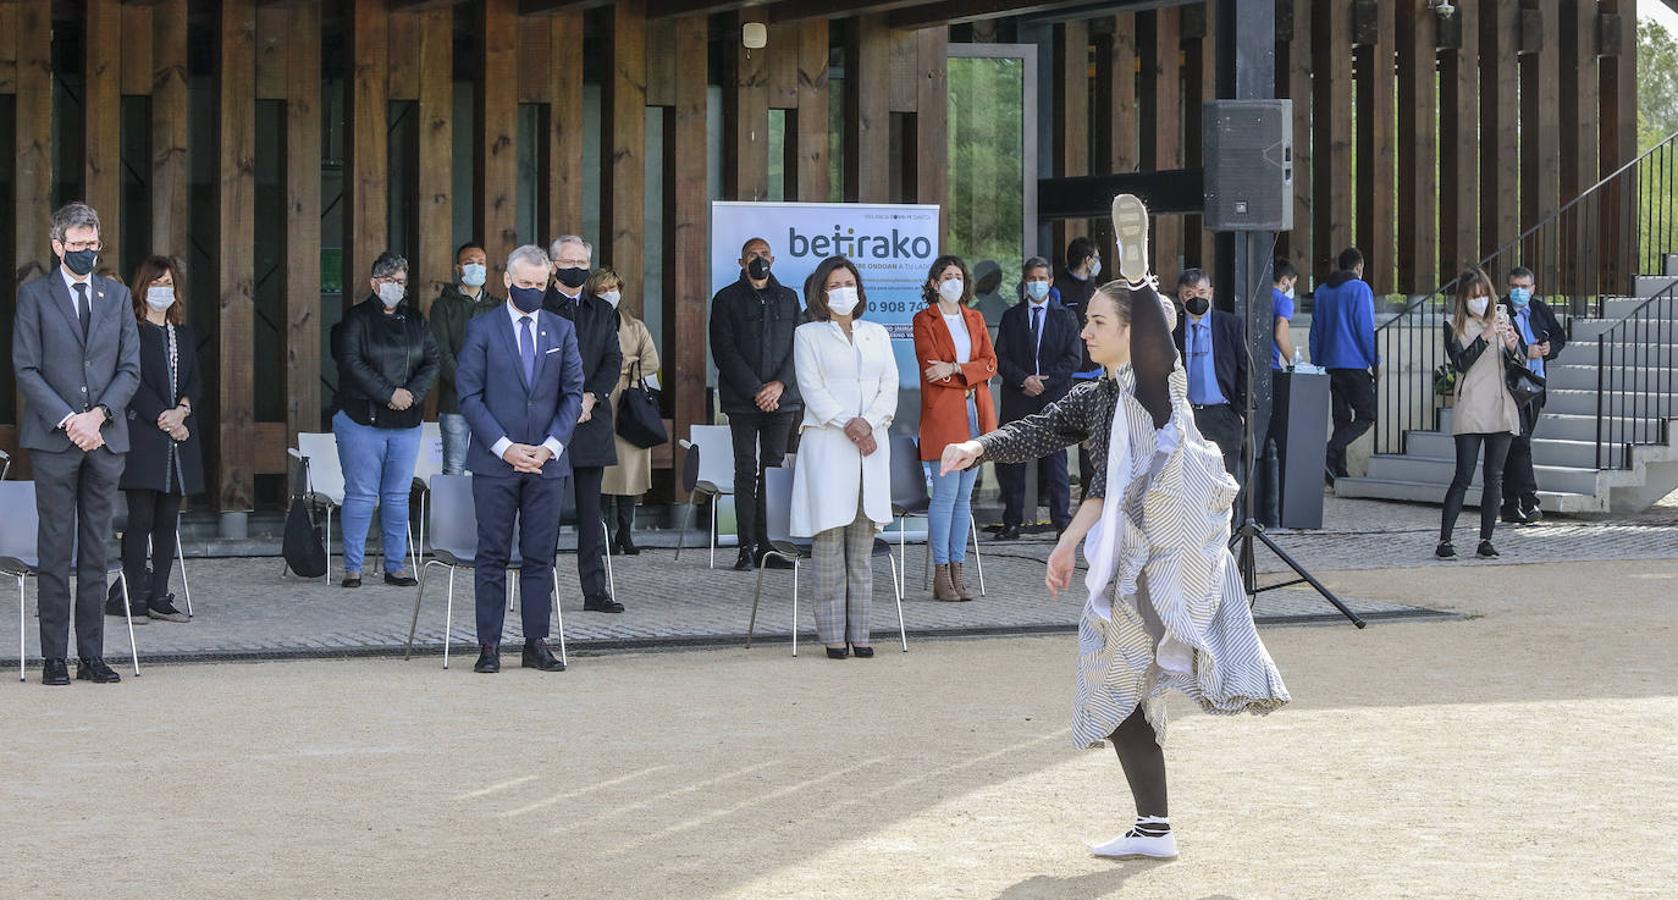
[169, 174]
[236, 252]
[102, 126]
[1331, 131]
[1500, 40]
[932, 123]
[1113, 112]
[367, 152]
[1375, 158]
[1294, 81]
[1418, 122]
[1072, 120]
[868, 111]
[1200, 54]
[565, 130]
[1579, 86]
[746, 116]
[686, 225]
[1160, 42]
[811, 172]
[302, 231]
[1459, 147]
[623, 176]
[435, 163]
[495, 147]
[1618, 145]
[1541, 123]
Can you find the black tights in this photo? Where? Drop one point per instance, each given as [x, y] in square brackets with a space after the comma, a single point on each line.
[1143, 762]
[152, 515]
[1491, 495]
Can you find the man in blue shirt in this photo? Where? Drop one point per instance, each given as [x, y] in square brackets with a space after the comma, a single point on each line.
[1544, 339]
[1343, 342]
[1214, 351]
[1283, 277]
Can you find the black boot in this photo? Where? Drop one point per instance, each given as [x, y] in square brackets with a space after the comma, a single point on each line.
[623, 543]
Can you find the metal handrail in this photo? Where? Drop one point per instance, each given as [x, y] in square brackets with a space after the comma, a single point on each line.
[1638, 350]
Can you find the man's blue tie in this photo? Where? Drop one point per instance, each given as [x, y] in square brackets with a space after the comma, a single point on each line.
[527, 350]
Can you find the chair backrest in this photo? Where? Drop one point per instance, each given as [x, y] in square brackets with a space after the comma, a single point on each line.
[453, 531]
[716, 456]
[326, 476]
[908, 474]
[430, 459]
[19, 527]
[690, 467]
[777, 502]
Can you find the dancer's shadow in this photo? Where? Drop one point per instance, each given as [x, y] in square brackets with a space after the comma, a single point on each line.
[1101, 883]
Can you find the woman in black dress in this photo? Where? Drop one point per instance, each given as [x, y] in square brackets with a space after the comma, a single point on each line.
[165, 461]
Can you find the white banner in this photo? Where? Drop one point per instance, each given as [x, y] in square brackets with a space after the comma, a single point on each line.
[892, 245]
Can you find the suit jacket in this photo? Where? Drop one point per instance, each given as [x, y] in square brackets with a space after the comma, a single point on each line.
[596, 325]
[58, 372]
[498, 403]
[944, 403]
[1229, 355]
[1061, 354]
[1545, 325]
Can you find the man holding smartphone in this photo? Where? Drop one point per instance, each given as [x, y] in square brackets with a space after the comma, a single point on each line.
[1544, 339]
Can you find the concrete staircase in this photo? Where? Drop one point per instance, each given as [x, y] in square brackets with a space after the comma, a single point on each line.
[1564, 444]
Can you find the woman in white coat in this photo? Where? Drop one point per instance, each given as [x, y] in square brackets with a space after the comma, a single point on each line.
[841, 494]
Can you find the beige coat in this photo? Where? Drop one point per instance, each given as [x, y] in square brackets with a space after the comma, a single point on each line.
[1484, 404]
[633, 474]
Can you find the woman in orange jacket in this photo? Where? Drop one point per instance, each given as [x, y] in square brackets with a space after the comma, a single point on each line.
[957, 363]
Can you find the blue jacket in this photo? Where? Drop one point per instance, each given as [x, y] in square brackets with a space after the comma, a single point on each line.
[496, 401]
[1343, 324]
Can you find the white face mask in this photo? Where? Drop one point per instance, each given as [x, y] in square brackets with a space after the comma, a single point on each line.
[472, 274]
[951, 289]
[842, 301]
[1477, 305]
[1095, 268]
[1289, 293]
[391, 294]
[160, 298]
[612, 297]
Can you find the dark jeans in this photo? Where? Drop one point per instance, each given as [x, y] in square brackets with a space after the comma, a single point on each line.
[591, 540]
[74, 493]
[152, 515]
[1052, 482]
[534, 504]
[1491, 495]
[1520, 482]
[760, 442]
[1352, 393]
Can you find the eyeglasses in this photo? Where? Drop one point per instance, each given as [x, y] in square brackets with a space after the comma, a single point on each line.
[78, 246]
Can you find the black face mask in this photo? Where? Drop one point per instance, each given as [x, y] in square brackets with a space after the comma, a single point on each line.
[81, 262]
[572, 277]
[758, 269]
[1197, 305]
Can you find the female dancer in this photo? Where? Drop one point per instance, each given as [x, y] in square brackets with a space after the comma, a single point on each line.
[1165, 607]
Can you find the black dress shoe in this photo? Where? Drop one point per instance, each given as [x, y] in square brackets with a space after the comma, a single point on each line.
[55, 672]
[350, 581]
[1512, 515]
[1008, 533]
[744, 562]
[601, 605]
[400, 580]
[93, 668]
[863, 652]
[838, 652]
[489, 659]
[538, 656]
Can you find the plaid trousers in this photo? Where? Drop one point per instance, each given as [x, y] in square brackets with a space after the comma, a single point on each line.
[843, 560]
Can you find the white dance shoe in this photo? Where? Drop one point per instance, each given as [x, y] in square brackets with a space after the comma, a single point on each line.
[1151, 838]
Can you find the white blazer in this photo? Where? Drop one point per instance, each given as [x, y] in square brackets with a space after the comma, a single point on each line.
[841, 379]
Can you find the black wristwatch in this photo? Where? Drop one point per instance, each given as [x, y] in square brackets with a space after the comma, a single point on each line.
[109, 416]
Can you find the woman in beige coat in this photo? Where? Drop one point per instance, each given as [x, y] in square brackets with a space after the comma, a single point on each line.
[1483, 345]
[623, 484]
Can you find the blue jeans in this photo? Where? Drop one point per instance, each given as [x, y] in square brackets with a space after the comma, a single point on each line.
[378, 466]
[457, 436]
[949, 517]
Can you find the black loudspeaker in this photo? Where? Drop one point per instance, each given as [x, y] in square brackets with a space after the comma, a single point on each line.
[1248, 149]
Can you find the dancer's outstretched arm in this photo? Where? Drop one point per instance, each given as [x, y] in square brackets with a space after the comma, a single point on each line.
[1152, 353]
[1064, 558]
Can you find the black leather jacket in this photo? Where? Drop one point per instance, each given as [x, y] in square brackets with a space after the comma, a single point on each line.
[751, 341]
[378, 353]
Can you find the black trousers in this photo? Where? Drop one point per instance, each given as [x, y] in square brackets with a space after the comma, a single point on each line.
[74, 493]
[591, 539]
[1491, 481]
[1352, 395]
[1222, 425]
[533, 503]
[153, 516]
[760, 442]
[1052, 481]
[1519, 482]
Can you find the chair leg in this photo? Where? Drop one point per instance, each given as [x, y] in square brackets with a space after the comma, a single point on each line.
[559, 618]
[902, 554]
[714, 531]
[902, 631]
[186, 586]
[328, 542]
[22, 601]
[973, 529]
[419, 548]
[687, 522]
[413, 624]
[448, 620]
[413, 551]
[794, 607]
[756, 599]
[611, 580]
[128, 615]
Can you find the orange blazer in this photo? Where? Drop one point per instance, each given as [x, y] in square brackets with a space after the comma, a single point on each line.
[944, 403]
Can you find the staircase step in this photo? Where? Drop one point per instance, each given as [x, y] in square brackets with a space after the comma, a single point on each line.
[1660, 326]
[1584, 428]
[1424, 492]
[1650, 285]
[1617, 308]
[1582, 376]
[1546, 451]
[1580, 352]
[1631, 405]
[1440, 470]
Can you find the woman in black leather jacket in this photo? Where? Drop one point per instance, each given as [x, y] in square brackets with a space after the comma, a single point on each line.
[387, 362]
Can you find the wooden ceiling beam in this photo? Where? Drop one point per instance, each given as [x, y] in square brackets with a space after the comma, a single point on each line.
[550, 7]
[955, 12]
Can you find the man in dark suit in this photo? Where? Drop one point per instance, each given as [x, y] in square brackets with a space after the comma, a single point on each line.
[1214, 349]
[1544, 338]
[520, 378]
[76, 352]
[1037, 350]
[594, 447]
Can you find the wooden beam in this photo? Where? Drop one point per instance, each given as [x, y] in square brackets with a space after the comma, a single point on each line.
[1459, 162]
[867, 111]
[781, 69]
[367, 152]
[623, 125]
[1202, 76]
[1296, 74]
[957, 12]
[33, 183]
[1071, 117]
[302, 229]
[1331, 134]
[746, 117]
[435, 194]
[686, 223]
[1580, 116]
[1375, 157]
[812, 175]
[812, 10]
[169, 172]
[1162, 116]
[495, 148]
[102, 126]
[236, 254]
[1541, 122]
[558, 7]
[8, 49]
[1617, 146]
[1120, 117]
[136, 49]
[565, 132]
[661, 62]
[1500, 37]
[273, 24]
[535, 64]
[423, 5]
[405, 59]
[932, 124]
[1418, 122]
[903, 63]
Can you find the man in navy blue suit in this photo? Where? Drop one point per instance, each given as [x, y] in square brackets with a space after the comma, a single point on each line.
[1037, 349]
[520, 378]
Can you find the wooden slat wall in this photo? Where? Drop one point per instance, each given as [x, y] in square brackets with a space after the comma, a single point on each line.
[1618, 141]
[236, 253]
[1541, 119]
[624, 133]
[1161, 116]
[686, 223]
[783, 64]
[1301, 242]
[169, 173]
[302, 232]
[565, 132]
[746, 117]
[1580, 116]
[1071, 121]
[932, 123]
[867, 111]
[1418, 123]
[1114, 111]
[1375, 158]
[102, 126]
[1459, 142]
[811, 173]
[1500, 39]
[367, 152]
[1200, 53]
[495, 151]
[405, 58]
[1331, 133]
[434, 196]
[136, 49]
[8, 48]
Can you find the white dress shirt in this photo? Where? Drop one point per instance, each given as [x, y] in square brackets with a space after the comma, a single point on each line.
[499, 448]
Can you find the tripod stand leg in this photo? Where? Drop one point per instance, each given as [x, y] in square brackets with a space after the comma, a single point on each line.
[1309, 578]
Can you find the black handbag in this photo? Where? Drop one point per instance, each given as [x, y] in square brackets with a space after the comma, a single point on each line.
[639, 420]
[304, 543]
[1524, 384]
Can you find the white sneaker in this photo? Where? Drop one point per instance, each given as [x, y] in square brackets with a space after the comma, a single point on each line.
[1130, 227]
[1133, 844]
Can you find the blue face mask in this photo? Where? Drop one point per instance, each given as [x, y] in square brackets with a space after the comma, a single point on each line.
[1520, 297]
[527, 300]
[1037, 290]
